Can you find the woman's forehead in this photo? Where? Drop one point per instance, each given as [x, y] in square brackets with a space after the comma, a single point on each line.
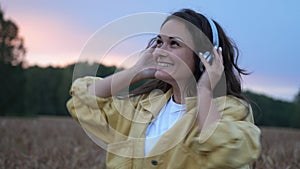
[175, 28]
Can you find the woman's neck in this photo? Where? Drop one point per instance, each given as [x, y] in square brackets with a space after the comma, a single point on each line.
[179, 92]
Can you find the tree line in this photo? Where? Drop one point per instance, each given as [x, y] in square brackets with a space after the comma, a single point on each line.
[38, 91]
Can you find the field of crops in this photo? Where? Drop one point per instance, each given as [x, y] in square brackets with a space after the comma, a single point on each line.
[49, 142]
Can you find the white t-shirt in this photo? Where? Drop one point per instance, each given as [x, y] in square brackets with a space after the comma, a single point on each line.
[167, 117]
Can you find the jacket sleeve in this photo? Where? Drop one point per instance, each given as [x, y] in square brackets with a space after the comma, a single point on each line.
[99, 117]
[230, 142]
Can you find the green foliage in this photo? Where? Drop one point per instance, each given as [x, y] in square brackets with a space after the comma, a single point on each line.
[296, 118]
[46, 90]
[271, 112]
[11, 89]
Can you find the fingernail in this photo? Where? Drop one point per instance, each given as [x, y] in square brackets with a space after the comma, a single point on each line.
[216, 47]
[220, 48]
[200, 53]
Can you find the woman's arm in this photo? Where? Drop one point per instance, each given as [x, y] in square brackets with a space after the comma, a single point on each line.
[207, 109]
[112, 84]
[227, 141]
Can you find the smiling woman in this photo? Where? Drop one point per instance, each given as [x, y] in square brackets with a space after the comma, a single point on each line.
[186, 116]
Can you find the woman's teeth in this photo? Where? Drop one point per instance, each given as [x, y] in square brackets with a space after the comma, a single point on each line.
[164, 64]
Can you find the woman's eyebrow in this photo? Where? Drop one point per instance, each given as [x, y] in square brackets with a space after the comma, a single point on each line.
[178, 38]
[172, 37]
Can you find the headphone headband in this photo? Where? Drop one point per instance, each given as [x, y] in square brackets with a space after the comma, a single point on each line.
[214, 29]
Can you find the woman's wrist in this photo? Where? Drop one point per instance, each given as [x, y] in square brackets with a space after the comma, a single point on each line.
[135, 74]
[205, 93]
[204, 89]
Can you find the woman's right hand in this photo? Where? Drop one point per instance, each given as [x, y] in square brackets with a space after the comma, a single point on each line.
[145, 66]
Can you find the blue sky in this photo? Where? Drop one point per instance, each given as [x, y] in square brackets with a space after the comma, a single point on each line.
[267, 32]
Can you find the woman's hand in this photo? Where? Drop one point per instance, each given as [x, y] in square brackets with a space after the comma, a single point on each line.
[145, 66]
[213, 72]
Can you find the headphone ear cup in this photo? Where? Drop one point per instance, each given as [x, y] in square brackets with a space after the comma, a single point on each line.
[208, 57]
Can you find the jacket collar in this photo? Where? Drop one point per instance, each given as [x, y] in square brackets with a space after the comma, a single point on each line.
[157, 100]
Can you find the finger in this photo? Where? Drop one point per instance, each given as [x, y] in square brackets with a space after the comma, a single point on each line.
[153, 46]
[150, 50]
[218, 55]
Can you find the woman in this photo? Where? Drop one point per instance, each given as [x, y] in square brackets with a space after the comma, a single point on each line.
[190, 114]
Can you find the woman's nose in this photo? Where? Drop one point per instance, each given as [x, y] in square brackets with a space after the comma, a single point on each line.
[160, 52]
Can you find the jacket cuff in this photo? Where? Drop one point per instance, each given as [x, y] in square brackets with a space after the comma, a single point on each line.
[79, 90]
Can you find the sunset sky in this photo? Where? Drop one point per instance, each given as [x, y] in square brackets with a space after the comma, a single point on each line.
[267, 33]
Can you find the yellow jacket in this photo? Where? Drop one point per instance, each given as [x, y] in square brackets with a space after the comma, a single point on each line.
[119, 126]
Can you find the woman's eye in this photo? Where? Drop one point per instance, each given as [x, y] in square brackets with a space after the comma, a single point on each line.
[159, 42]
[174, 44]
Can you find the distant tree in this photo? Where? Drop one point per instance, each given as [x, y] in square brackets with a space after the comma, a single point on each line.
[12, 78]
[12, 48]
[296, 117]
[297, 98]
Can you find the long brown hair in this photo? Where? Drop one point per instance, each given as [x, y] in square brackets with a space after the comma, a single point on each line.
[230, 54]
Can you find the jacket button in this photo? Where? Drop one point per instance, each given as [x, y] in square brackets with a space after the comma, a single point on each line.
[154, 162]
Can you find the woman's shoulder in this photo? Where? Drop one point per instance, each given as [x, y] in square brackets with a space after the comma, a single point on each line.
[233, 107]
[231, 100]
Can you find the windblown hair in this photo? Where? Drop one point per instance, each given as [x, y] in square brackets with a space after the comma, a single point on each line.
[230, 54]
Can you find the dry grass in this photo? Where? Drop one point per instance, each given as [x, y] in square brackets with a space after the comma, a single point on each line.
[280, 149]
[61, 143]
[44, 143]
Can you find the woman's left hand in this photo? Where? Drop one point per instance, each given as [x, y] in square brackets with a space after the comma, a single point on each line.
[213, 72]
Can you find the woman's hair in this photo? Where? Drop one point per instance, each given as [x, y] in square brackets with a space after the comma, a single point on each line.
[229, 51]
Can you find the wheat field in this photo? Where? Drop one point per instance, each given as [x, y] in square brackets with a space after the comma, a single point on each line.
[60, 143]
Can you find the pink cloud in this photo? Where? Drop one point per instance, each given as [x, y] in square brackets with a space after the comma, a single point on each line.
[49, 40]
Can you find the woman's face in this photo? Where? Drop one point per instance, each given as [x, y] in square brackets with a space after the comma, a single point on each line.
[173, 55]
